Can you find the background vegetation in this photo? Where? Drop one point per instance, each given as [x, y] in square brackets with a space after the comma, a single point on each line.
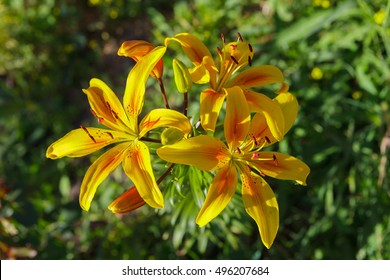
[335, 56]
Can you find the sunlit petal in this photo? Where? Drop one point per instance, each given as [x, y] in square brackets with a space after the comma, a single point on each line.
[192, 46]
[127, 202]
[164, 118]
[200, 74]
[221, 191]
[137, 49]
[133, 98]
[257, 76]
[105, 105]
[282, 166]
[237, 119]
[98, 171]
[289, 105]
[261, 204]
[260, 131]
[210, 105]
[138, 167]
[84, 141]
[204, 152]
[271, 109]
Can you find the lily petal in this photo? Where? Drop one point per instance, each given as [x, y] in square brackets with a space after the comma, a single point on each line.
[137, 49]
[84, 141]
[257, 76]
[273, 113]
[282, 166]
[204, 152]
[162, 118]
[137, 166]
[210, 105]
[289, 105]
[127, 202]
[200, 74]
[260, 131]
[98, 171]
[220, 193]
[192, 46]
[237, 119]
[133, 98]
[261, 204]
[106, 106]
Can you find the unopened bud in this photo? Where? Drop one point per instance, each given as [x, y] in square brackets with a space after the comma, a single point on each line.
[183, 78]
[171, 135]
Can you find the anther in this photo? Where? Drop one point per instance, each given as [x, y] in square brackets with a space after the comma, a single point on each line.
[267, 139]
[86, 131]
[275, 160]
[219, 51]
[238, 150]
[250, 47]
[93, 113]
[254, 140]
[235, 60]
[223, 38]
[240, 37]
[249, 61]
[110, 134]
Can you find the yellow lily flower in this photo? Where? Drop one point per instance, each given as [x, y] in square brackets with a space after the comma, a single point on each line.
[137, 49]
[232, 57]
[124, 129]
[245, 139]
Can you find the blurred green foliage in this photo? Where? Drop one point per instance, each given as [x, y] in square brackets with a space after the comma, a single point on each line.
[335, 56]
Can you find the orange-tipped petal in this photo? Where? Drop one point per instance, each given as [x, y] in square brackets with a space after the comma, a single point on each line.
[192, 46]
[261, 204]
[164, 118]
[137, 166]
[282, 166]
[221, 191]
[204, 152]
[98, 171]
[272, 111]
[127, 202]
[137, 49]
[84, 141]
[106, 106]
[237, 119]
[133, 98]
[257, 76]
[210, 105]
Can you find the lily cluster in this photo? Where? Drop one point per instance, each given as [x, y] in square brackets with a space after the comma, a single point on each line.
[252, 121]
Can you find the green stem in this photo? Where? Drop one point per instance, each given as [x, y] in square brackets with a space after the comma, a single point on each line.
[185, 109]
[147, 139]
[164, 96]
[162, 177]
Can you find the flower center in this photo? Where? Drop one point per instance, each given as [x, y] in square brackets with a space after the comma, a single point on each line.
[233, 56]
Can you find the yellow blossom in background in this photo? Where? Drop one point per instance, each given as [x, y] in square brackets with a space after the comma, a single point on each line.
[321, 3]
[357, 95]
[380, 16]
[316, 73]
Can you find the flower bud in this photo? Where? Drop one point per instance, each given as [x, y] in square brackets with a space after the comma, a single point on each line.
[171, 135]
[183, 78]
